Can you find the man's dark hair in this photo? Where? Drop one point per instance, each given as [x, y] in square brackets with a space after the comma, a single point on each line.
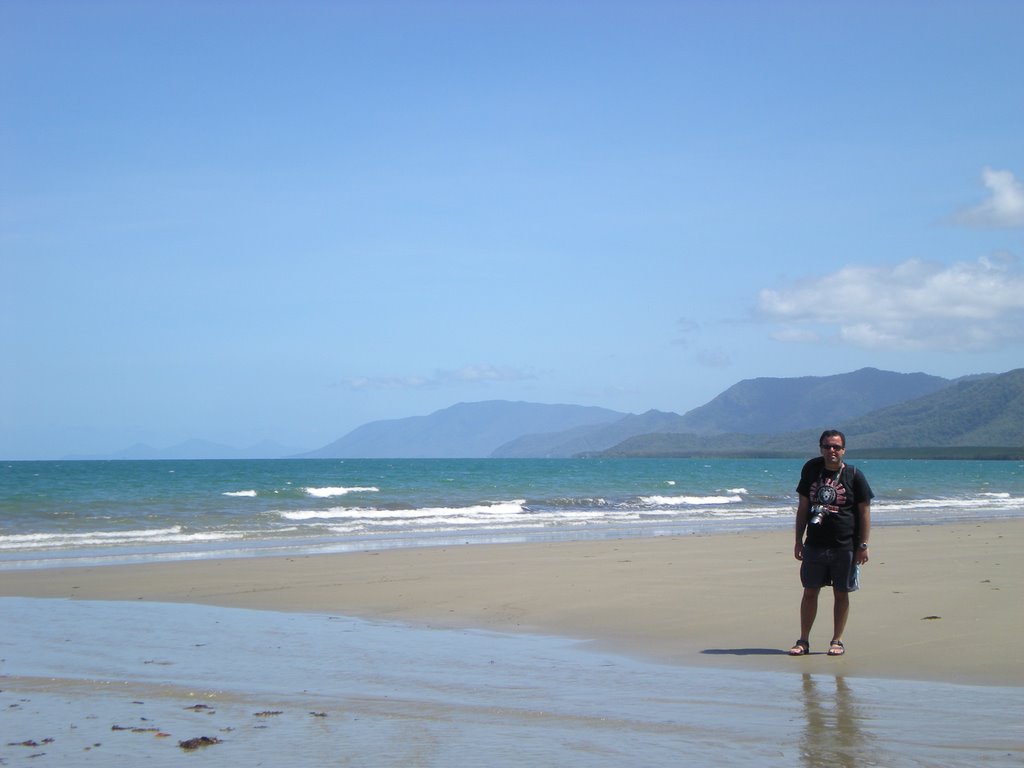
[832, 433]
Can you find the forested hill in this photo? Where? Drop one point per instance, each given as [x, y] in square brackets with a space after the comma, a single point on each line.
[760, 406]
[978, 416]
[771, 405]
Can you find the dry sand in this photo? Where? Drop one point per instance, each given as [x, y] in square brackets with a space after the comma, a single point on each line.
[937, 602]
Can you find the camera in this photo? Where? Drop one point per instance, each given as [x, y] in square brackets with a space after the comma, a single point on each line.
[817, 514]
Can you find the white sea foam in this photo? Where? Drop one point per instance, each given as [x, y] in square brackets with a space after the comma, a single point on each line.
[516, 514]
[326, 493]
[497, 522]
[985, 501]
[504, 518]
[668, 501]
[239, 493]
[482, 511]
[175, 535]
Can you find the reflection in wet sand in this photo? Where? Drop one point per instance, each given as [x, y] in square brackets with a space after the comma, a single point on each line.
[834, 730]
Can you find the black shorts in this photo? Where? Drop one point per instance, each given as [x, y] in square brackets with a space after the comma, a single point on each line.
[829, 568]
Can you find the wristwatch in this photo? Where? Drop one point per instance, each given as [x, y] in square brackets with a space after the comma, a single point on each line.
[863, 545]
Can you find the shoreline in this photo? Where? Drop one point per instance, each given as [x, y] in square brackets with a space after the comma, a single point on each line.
[937, 603]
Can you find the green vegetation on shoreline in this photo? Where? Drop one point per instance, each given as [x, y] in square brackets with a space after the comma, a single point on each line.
[958, 453]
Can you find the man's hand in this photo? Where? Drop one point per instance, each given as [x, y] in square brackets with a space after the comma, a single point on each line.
[798, 551]
[860, 556]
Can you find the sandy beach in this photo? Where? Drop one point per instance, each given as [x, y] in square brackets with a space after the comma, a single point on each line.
[655, 651]
[937, 603]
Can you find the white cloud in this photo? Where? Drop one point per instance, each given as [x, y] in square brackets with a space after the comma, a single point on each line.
[470, 374]
[1003, 208]
[482, 373]
[913, 305]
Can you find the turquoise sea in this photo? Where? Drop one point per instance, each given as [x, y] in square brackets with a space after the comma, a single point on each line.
[94, 512]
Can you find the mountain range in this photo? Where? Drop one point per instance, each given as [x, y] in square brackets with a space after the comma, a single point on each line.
[886, 412]
[464, 431]
[883, 413]
[974, 417]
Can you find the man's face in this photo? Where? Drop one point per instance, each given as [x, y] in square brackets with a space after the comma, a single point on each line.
[832, 449]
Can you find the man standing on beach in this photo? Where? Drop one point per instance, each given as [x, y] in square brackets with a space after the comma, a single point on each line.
[834, 511]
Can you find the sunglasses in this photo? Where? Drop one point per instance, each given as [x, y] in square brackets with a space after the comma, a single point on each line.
[832, 448]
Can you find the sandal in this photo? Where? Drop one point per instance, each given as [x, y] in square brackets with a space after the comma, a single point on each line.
[800, 648]
[836, 648]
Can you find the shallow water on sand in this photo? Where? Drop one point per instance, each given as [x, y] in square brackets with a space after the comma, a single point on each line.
[106, 683]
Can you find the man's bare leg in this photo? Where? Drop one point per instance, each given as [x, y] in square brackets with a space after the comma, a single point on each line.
[840, 613]
[808, 612]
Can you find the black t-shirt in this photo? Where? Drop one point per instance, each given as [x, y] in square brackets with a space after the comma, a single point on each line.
[839, 493]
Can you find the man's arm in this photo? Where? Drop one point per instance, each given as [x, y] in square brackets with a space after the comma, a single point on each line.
[864, 530]
[803, 508]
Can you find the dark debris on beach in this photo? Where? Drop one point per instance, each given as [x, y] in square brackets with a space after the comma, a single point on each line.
[147, 727]
[134, 729]
[29, 743]
[199, 741]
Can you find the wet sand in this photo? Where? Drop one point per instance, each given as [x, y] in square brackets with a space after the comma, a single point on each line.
[637, 651]
[124, 683]
[937, 603]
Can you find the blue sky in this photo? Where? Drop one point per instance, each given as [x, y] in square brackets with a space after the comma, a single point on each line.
[247, 221]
